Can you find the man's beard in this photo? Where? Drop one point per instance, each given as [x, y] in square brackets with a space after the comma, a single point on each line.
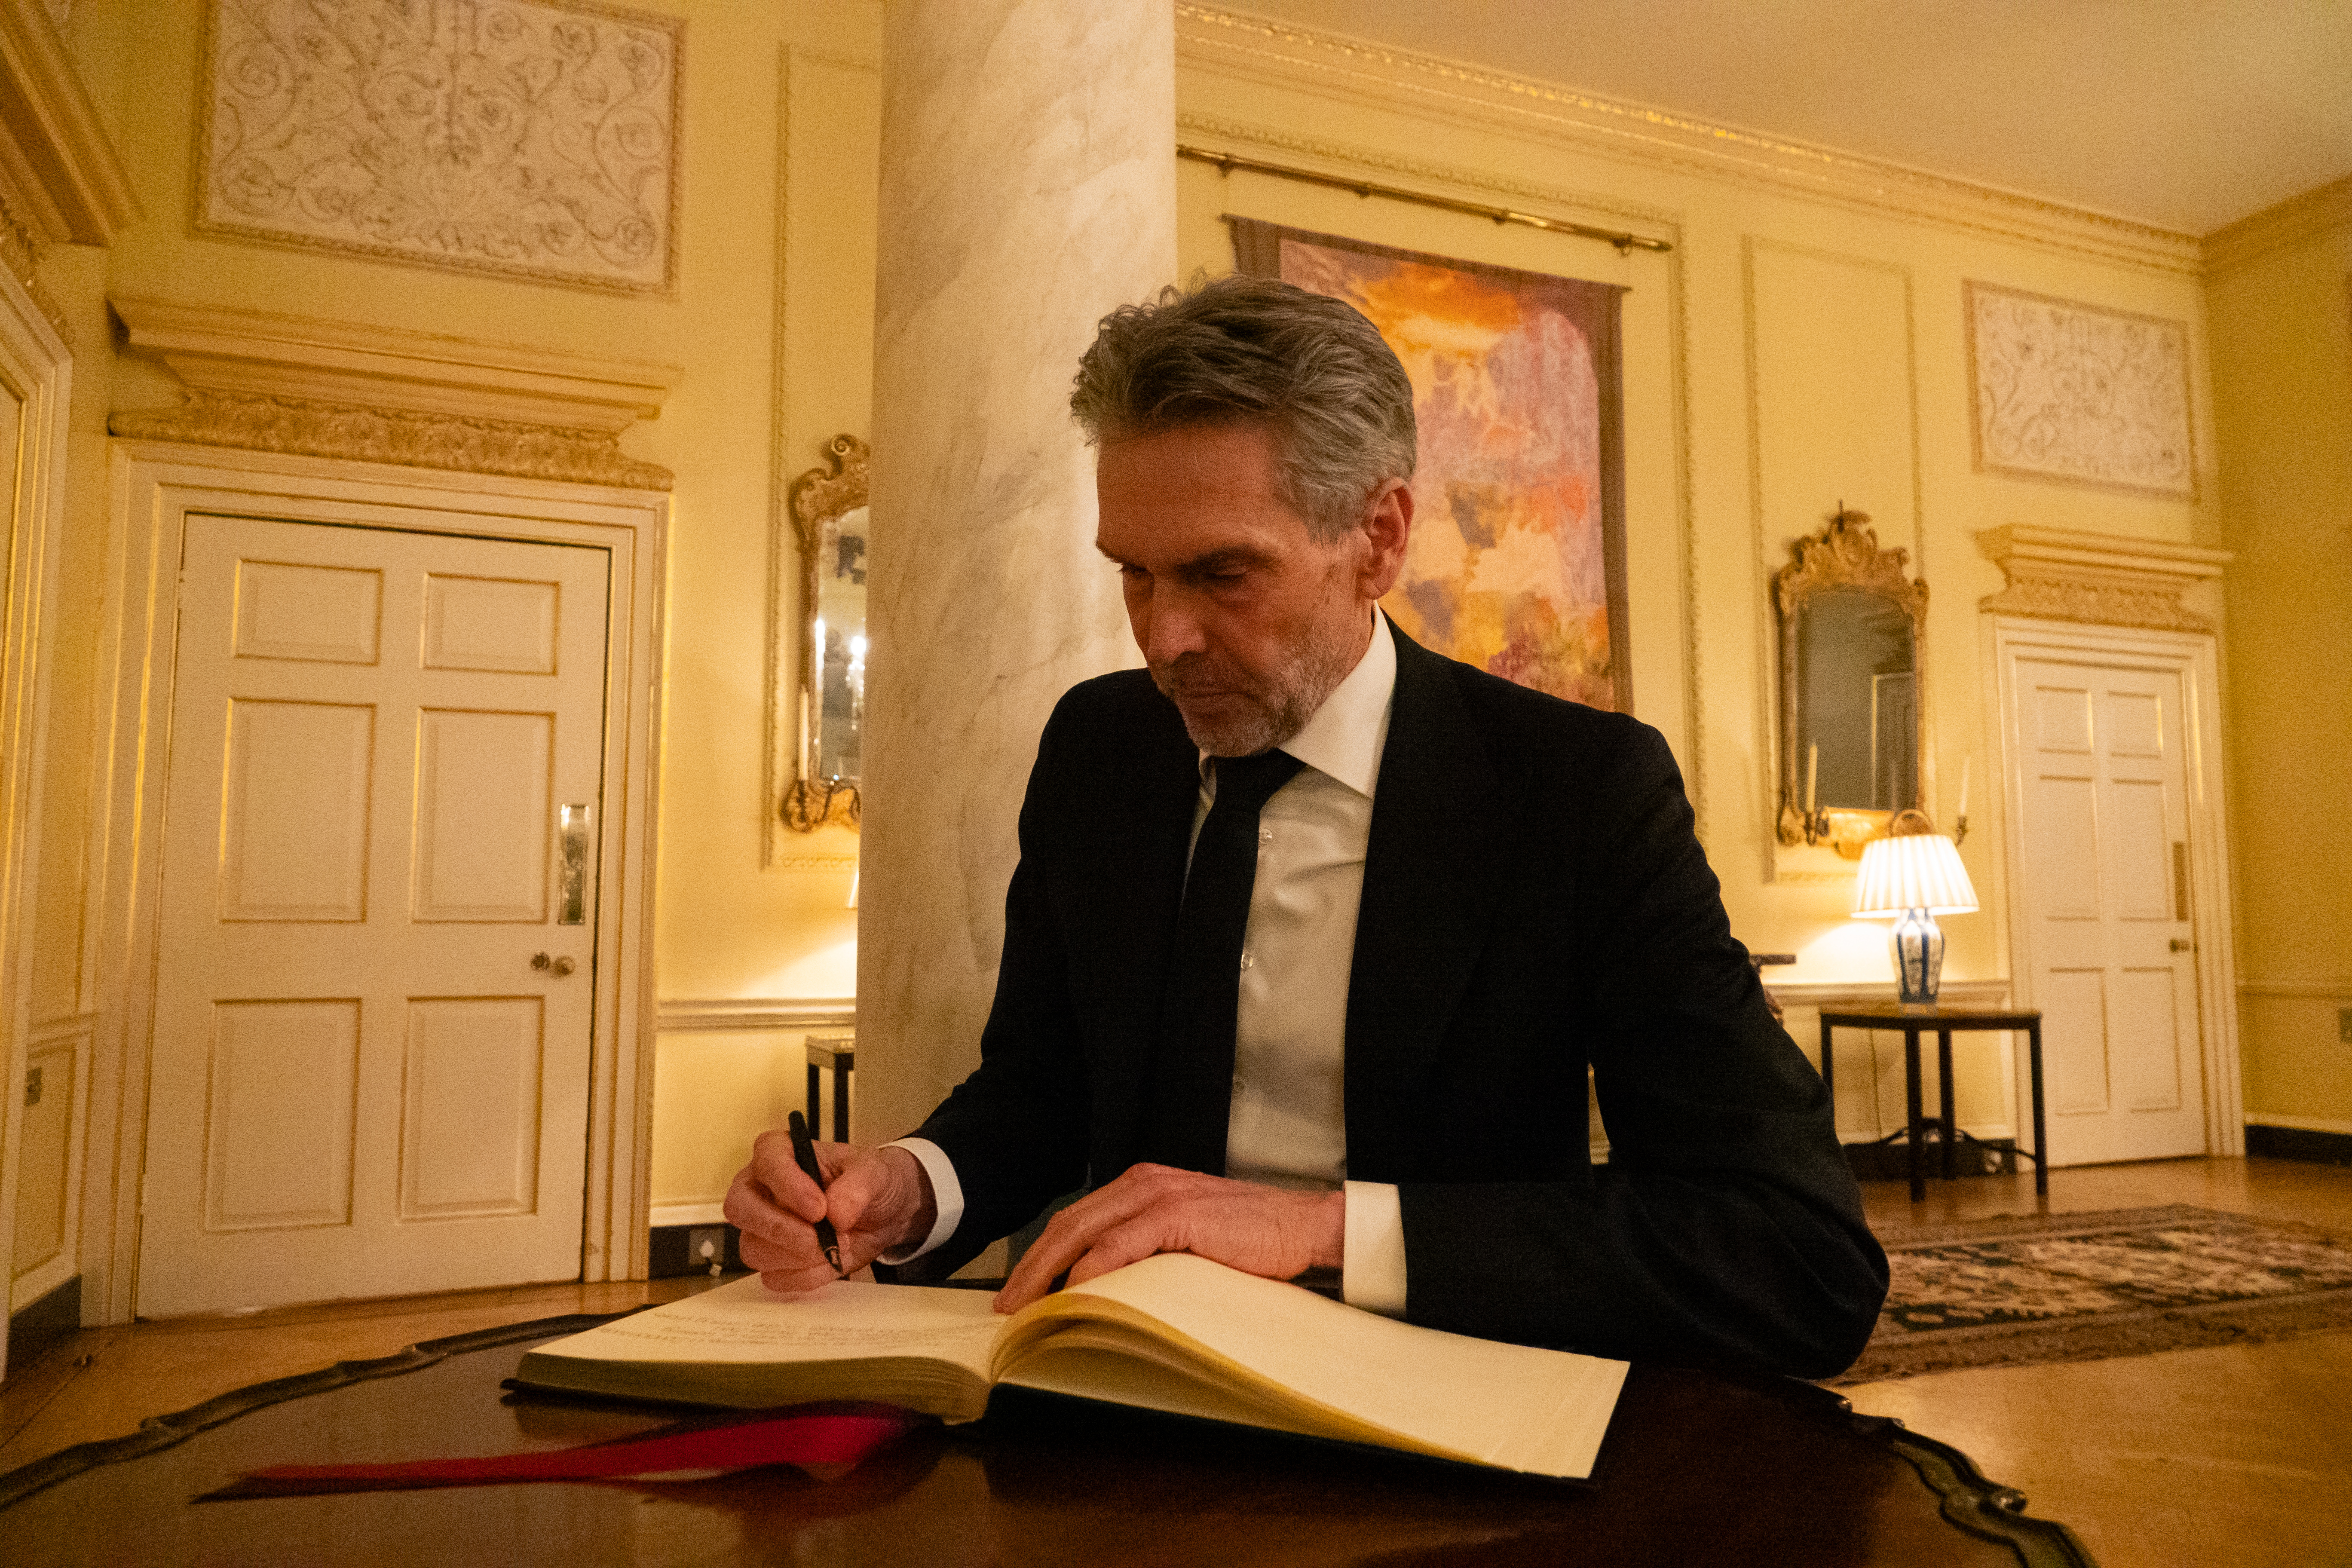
[1269, 713]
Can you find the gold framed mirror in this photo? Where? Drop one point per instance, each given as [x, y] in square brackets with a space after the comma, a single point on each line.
[829, 516]
[1852, 641]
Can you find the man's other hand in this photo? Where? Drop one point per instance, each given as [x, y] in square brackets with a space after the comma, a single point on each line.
[1266, 1231]
[878, 1200]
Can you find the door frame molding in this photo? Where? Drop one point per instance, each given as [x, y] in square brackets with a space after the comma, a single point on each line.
[37, 365]
[2195, 656]
[154, 487]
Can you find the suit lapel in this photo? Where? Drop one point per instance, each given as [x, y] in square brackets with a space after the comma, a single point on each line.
[1150, 832]
[1436, 852]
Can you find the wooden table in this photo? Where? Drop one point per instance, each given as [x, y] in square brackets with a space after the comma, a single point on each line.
[1696, 1469]
[1915, 1018]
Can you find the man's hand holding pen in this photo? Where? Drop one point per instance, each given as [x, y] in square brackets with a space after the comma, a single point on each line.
[877, 1199]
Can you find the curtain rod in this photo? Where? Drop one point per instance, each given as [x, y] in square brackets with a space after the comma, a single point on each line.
[1228, 162]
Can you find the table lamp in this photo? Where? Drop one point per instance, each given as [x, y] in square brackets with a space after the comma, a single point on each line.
[1914, 877]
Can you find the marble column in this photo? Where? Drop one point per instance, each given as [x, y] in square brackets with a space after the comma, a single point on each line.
[1028, 187]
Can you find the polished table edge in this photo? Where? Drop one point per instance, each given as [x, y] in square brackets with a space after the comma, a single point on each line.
[1968, 1498]
[1974, 1502]
[160, 1431]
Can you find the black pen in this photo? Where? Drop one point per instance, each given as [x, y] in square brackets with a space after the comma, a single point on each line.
[804, 1152]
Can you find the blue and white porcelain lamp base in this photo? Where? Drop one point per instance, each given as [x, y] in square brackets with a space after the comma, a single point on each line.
[1918, 944]
[1912, 878]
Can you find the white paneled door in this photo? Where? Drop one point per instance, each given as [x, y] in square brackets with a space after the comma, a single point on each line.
[2107, 916]
[374, 988]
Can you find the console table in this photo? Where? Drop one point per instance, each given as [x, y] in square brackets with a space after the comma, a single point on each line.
[838, 1055]
[1914, 1019]
[1697, 1468]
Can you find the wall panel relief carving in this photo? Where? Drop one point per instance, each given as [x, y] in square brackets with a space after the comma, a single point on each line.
[2098, 579]
[391, 435]
[517, 136]
[2075, 393]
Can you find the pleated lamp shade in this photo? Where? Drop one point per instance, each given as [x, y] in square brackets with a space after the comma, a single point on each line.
[1919, 871]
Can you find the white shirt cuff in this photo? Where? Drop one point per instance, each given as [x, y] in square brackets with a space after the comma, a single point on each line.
[1372, 1270]
[947, 1193]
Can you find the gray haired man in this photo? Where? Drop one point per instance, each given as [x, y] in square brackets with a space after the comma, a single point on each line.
[1315, 933]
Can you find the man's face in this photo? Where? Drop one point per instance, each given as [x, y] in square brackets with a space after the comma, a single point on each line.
[1247, 621]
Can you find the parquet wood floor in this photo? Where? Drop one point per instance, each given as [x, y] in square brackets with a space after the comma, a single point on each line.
[2234, 1457]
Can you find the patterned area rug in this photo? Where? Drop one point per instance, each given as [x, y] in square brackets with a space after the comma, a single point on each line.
[2023, 1288]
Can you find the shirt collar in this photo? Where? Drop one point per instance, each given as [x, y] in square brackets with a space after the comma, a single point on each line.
[1345, 737]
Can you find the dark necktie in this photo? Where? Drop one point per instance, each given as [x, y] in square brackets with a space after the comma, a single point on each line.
[1192, 1069]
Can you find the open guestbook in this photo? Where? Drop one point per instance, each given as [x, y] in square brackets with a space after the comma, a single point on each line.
[1173, 1333]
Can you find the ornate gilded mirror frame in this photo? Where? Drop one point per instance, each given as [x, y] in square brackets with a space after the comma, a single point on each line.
[1844, 560]
[828, 509]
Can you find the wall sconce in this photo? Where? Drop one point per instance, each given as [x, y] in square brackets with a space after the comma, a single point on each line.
[1845, 831]
[1913, 876]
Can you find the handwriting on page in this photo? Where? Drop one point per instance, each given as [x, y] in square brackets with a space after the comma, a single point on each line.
[782, 1335]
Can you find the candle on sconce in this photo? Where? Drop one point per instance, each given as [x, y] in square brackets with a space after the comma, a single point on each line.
[1813, 774]
[1968, 765]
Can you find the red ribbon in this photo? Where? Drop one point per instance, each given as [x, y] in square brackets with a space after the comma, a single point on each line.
[842, 1436]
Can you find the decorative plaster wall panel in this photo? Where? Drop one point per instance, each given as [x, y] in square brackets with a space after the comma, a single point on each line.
[2079, 394]
[514, 136]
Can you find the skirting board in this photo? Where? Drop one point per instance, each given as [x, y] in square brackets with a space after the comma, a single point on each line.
[2298, 1144]
[39, 1325]
[1971, 1157]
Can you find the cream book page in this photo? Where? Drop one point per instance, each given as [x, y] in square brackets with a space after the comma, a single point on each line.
[746, 1323]
[1508, 1406]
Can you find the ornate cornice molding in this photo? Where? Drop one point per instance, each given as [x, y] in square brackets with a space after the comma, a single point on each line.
[391, 435]
[256, 354]
[2098, 579]
[340, 389]
[1656, 222]
[20, 248]
[57, 166]
[1236, 44]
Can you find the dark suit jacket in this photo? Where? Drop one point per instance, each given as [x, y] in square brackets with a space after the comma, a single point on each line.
[1533, 900]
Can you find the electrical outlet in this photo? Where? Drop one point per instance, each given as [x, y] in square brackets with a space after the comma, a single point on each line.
[2344, 1025]
[706, 1246]
[33, 1081]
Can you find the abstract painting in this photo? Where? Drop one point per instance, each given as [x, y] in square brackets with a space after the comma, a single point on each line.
[512, 136]
[2072, 391]
[1518, 559]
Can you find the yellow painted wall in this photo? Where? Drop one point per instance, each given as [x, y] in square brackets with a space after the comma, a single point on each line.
[1792, 353]
[2282, 329]
[751, 408]
[1816, 352]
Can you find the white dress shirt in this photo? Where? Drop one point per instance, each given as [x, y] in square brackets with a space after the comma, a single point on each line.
[1288, 1122]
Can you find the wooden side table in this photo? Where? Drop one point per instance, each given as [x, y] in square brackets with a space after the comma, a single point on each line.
[1916, 1020]
[839, 1052]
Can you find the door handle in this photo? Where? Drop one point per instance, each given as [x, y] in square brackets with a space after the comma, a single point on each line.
[559, 967]
[571, 882]
[2180, 946]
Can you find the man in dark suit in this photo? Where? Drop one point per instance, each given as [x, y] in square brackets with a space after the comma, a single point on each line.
[1315, 934]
